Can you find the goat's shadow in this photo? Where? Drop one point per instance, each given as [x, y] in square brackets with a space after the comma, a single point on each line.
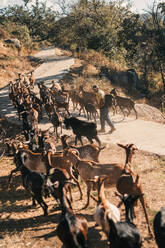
[95, 238]
[11, 225]
[47, 235]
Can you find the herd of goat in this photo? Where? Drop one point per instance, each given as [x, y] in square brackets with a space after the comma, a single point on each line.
[47, 172]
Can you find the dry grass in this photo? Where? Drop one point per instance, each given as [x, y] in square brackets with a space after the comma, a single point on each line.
[100, 60]
[11, 64]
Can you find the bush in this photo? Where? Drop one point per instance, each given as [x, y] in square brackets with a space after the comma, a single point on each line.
[21, 32]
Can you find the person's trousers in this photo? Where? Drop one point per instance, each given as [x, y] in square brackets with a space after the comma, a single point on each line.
[104, 117]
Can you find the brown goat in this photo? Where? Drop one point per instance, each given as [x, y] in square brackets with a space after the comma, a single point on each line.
[73, 95]
[128, 183]
[87, 152]
[89, 97]
[89, 170]
[123, 102]
[36, 162]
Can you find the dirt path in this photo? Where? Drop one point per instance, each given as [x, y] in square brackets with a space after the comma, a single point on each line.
[147, 135]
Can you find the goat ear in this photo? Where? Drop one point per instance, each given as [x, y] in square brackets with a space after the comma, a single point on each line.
[76, 152]
[135, 148]
[121, 145]
[93, 180]
[103, 178]
[67, 136]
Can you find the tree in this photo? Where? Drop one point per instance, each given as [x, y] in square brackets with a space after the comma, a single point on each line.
[93, 25]
[38, 17]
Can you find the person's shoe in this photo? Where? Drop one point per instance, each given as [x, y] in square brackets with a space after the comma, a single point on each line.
[101, 131]
[112, 130]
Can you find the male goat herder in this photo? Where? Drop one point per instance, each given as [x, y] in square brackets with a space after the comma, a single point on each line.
[89, 169]
[82, 128]
[128, 183]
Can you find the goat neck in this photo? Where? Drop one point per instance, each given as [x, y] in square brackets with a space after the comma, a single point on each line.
[129, 149]
[65, 203]
[101, 194]
[128, 171]
[24, 170]
[129, 153]
[74, 159]
[64, 142]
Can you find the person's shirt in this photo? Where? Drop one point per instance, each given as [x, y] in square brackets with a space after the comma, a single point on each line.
[100, 98]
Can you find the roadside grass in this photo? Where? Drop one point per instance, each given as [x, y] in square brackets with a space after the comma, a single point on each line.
[11, 64]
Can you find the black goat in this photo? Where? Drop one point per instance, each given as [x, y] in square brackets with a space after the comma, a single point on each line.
[33, 182]
[20, 108]
[159, 228]
[82, 128]
[60, 175]
[38, 184]
[72, 229]
[125, 234]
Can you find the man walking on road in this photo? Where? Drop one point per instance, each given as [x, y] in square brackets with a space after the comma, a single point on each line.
[104, 110]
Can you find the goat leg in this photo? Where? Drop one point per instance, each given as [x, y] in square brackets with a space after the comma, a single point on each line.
[120, 203]
[70, 192]
[97, 139]
[76, 181]
[33, 202]
[11, 174]
[76, 138]
[135, 112]
[67, 111]
[89, 186]
[145, 212]
[44, 206]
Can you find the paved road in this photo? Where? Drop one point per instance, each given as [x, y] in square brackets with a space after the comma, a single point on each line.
[147, 135]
